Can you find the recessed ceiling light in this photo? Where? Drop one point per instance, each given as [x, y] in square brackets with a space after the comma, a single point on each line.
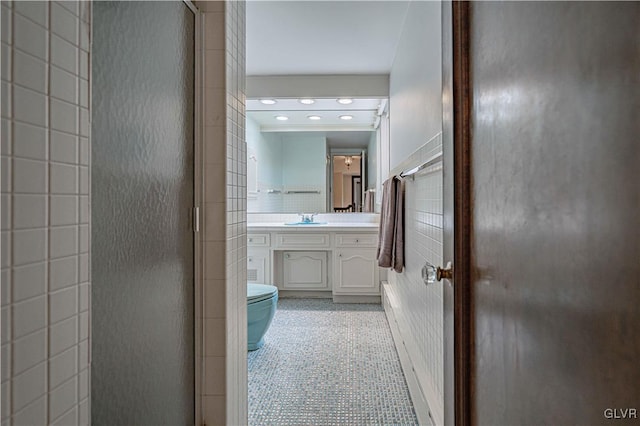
[268, 101]
[282, 117]
[346, 117]
[345, 101]
[306, 101]
[314, 117]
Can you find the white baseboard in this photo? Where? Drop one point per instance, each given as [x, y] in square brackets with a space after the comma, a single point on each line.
[420, 404]
[337, 298]
[303, 294]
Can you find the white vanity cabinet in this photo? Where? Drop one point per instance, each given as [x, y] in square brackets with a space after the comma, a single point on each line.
[305, 270]
[259, 258]
[258, 265]
[355, 267]
[338, 261]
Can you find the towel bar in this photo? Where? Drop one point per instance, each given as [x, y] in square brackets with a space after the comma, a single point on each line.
[302, 192]
[430, 162]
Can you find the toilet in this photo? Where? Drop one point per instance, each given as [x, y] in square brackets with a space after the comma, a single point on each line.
[262, 300]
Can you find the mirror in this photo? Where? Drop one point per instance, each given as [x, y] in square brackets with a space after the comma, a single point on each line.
[293, 172]
[310, 155]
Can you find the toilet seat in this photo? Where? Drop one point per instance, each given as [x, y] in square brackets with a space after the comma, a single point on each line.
[259, 292]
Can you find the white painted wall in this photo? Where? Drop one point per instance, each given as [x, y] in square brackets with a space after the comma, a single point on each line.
[415, 82]
[268, 150]
[415, 128]
[303, 158]
[372, 161]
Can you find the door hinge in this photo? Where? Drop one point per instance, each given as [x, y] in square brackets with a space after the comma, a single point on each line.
[196, 219]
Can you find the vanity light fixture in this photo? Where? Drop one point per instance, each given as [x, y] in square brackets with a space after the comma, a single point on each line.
[314, 117]
[345, 101]
[346, 117]
[268, 101]
[306, 101]
[282, 117]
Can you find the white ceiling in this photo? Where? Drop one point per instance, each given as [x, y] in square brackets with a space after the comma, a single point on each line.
[322, 37]
[345, 140]
[311, 37]
[352, 140]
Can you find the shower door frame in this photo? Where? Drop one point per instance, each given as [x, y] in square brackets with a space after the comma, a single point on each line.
[196, 208]
[198, 197]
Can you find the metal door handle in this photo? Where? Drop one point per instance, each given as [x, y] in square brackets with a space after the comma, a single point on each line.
[446, 273]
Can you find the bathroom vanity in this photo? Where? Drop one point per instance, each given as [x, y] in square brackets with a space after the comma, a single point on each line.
[335, 260]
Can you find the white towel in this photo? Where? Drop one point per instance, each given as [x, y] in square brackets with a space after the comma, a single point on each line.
[369, 200]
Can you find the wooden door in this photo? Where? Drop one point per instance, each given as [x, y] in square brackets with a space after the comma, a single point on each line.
[552, 124]
[456, 213]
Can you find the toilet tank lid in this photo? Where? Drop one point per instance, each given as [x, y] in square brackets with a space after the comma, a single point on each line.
[256, 292]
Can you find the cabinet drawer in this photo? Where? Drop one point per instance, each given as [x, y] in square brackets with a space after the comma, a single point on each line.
[259, 240]
[356, 240]
[295, 241]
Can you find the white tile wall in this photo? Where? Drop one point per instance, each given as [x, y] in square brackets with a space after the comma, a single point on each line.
[420, 308]
[29, 141]
[45, 279]
[224, 238]
[62, 367]
[29, 351]
[236, 269]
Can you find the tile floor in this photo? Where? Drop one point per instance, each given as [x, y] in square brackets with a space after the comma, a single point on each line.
[328, 364]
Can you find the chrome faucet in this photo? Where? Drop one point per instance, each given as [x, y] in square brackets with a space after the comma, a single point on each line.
[307, 218]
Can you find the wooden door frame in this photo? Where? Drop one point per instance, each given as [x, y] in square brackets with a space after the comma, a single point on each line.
[353, 186]
[463, 307]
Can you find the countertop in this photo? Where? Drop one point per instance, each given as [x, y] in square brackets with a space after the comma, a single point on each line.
[329, 227]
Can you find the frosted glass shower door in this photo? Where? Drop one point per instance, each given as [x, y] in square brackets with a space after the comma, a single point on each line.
[142, 194]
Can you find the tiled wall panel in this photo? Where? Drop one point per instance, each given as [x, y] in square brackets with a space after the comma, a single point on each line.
[224, 235]
[45, 205]
[236, 213]
[420, 313]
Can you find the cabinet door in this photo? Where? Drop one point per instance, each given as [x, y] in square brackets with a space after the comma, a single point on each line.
[258, 261]
[356, 271]
[305, 270]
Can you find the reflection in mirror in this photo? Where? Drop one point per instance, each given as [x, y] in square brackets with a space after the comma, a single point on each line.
[293, 172]
[291, 147]
[346, 183]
